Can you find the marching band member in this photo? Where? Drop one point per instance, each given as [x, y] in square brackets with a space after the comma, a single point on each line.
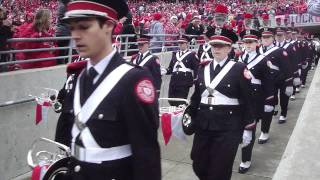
[110, 140]
[262, 89]
[183, 70]
[220, 110]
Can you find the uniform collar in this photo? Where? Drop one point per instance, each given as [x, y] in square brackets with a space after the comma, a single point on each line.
[101, 66]
[221, 63]
[269, 47]
[280, 44]
[184, 51]
[144, 54]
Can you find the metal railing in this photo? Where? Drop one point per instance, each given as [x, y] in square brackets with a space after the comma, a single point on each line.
[123, 43]
[122, 39]
[44, 39]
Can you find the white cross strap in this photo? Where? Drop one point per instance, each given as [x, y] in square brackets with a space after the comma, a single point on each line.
[180, 58]
[255, 61]
[145, 60]
[83, 113]
[269, 51]
[179, 62]
[217, 79]
[287, 45]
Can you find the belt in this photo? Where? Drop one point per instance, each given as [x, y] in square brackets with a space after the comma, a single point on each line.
[217, 100]
[182, 70]
[98, 155]
[233, 108]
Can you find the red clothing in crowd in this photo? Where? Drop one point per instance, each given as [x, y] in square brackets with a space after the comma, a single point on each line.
[31, 33]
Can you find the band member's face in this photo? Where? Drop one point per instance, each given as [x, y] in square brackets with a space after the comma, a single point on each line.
[288, 35]
[143, 47]
[220, 51]
[267, 40]
[183, 46]
[280, 37]
[90, 38]
[294, 36]
[250, 46]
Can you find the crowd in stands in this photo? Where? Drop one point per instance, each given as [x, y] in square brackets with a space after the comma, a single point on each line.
[158, 17]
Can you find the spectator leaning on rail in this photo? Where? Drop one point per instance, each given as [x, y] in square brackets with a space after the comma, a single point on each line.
[5, 33]
[314, 7]
[39, 29]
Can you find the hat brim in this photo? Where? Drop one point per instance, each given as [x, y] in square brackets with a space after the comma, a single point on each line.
[213, 42]
[182, 41]
[143, 42]
[249, 39]
[267, 35]
[67, 19]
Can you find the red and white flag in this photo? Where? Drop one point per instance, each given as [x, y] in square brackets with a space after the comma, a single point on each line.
[42, 109]
[38, 172]
[171, 125]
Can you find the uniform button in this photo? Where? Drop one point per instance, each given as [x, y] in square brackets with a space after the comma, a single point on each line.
[229, 85]
[252, 68]
[77, 168]
[255, 89]
[100, 116]
[200, 84]
[71, 111]
[211, 108]
[198, 108]
[230, 112]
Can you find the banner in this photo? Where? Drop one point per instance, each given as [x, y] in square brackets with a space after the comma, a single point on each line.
[300, 20]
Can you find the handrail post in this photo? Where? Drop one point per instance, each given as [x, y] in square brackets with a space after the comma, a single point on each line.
[70, 51]
[126, 47]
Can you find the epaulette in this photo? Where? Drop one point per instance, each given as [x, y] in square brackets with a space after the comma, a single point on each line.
[204, 63]
[76, 67]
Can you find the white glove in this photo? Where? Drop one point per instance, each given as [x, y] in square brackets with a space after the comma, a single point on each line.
[304, 66]
[163, 71]
[268, 108]
[289, 91]
[246, 138]
[296, 81]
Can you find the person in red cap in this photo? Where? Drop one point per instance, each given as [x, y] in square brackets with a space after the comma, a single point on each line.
[248, 21]
[182, 68]
[148, 61]
[157, 31]
[115, 111]
[262, 86]
[220, 18]
[220, 110]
